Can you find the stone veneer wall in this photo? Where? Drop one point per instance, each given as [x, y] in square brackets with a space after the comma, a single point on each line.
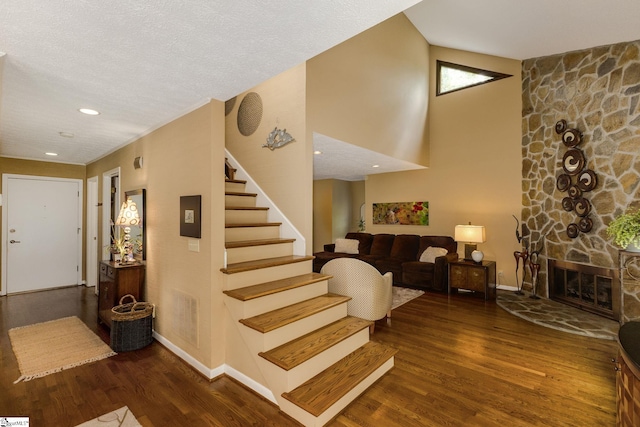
[597, 91]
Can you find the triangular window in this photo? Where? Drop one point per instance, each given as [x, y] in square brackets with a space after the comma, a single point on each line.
[452, 77]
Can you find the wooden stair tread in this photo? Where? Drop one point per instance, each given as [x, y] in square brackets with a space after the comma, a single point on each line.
[298, 351]
[275, 319]
[240, 267]
[258, 242]
[240, 193]
[320, 392]
[254, 224]
[268, 288]
[246, 208]
[235, 181]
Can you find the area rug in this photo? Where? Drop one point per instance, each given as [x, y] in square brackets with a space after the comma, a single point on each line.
[403, 295]
[119, 418]
[45, 348]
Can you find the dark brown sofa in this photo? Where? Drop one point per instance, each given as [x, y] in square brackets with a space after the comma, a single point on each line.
[399, 254]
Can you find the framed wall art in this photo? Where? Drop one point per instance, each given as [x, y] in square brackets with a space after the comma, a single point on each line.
[401, 213]
[190, 220]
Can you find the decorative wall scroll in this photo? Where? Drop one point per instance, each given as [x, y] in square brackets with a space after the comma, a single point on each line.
[401, 213]
[573, 165]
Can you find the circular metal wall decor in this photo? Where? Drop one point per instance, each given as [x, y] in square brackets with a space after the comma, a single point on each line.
[572, 230]
[249, 114]
[582, 207]
[571, 137]
[573, 161]
[574, 192]
[587, 180]
[585, 224]
[563, 182]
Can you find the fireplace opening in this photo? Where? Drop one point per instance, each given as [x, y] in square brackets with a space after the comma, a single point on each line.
[593, 289]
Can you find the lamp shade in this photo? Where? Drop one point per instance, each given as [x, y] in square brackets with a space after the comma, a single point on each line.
[128, 215]
[470, 233]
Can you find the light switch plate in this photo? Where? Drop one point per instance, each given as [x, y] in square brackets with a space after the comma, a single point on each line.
[194, 245]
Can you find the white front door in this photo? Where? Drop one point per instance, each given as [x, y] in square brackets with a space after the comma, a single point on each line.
[42, 220]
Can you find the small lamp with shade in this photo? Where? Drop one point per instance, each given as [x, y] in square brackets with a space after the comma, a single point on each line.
[128, 217]
[471, 235]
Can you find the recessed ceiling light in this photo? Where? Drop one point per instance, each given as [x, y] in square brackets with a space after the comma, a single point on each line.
[317, 152]
[376, 166]
[89, 111]
[66, 134]
[51, 154]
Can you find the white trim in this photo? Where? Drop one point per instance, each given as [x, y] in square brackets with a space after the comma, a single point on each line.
[215, 372]
[92, 229]
[287, 229]
[5, 218]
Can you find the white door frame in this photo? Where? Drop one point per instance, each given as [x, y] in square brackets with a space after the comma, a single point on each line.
[92, 232]
[5, 219]
[106, 207]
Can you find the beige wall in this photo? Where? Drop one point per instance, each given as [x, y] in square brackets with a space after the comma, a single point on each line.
[285, 174]
[372, 91]
[57, 170]
[336, 210]
[180, 159]
[476, 162]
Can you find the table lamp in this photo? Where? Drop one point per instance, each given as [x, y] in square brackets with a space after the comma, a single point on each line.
[471, 234]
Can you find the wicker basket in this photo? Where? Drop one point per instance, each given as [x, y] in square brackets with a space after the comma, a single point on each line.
[131, 325]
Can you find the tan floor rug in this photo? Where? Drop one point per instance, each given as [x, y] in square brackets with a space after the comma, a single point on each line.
[45, 348]
[119, 418]
[403, 296]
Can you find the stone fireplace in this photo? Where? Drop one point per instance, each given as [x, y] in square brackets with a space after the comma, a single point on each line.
[593, 289]
[596, 91]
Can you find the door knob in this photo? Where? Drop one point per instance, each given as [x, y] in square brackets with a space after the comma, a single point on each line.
[14, 241]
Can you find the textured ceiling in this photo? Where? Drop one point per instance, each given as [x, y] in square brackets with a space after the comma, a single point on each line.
[145, 63]
[347, 162]
[526, 29]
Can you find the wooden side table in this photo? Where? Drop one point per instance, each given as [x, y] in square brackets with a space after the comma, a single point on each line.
[477, 277]
[116, 281]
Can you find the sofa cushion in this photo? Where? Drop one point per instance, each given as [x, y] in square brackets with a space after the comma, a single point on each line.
[381, 245]
[446, 242]
[365, 239]
[347, 246]
[405, 247]
[431, 253]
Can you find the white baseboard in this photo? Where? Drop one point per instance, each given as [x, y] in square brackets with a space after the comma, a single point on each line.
[507, 288]
[212, 373]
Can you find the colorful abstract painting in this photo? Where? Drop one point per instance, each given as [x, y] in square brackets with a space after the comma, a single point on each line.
[401, 213]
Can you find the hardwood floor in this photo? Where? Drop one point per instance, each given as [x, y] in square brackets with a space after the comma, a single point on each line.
[461, 362]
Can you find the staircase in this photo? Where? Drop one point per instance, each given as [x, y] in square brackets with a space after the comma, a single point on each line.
[314, 357]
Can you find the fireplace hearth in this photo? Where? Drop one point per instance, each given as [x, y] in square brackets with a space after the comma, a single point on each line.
[593, 289]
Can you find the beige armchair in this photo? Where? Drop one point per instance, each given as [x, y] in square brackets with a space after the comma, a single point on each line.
[371, 293]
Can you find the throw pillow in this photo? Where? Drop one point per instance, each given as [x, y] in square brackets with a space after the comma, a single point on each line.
[431, 253]
[349, 246]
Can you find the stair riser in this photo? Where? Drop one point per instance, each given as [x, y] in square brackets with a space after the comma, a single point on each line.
[255, 253]
[282, 381]
[239, 234]
[278, 272]
[245, 309]
[296, 329]
[239, 201]
[309, 420]
[234, 187]
[245, 216]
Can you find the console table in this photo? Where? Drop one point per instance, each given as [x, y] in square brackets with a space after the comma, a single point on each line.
[473, 276]
[116, 281]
